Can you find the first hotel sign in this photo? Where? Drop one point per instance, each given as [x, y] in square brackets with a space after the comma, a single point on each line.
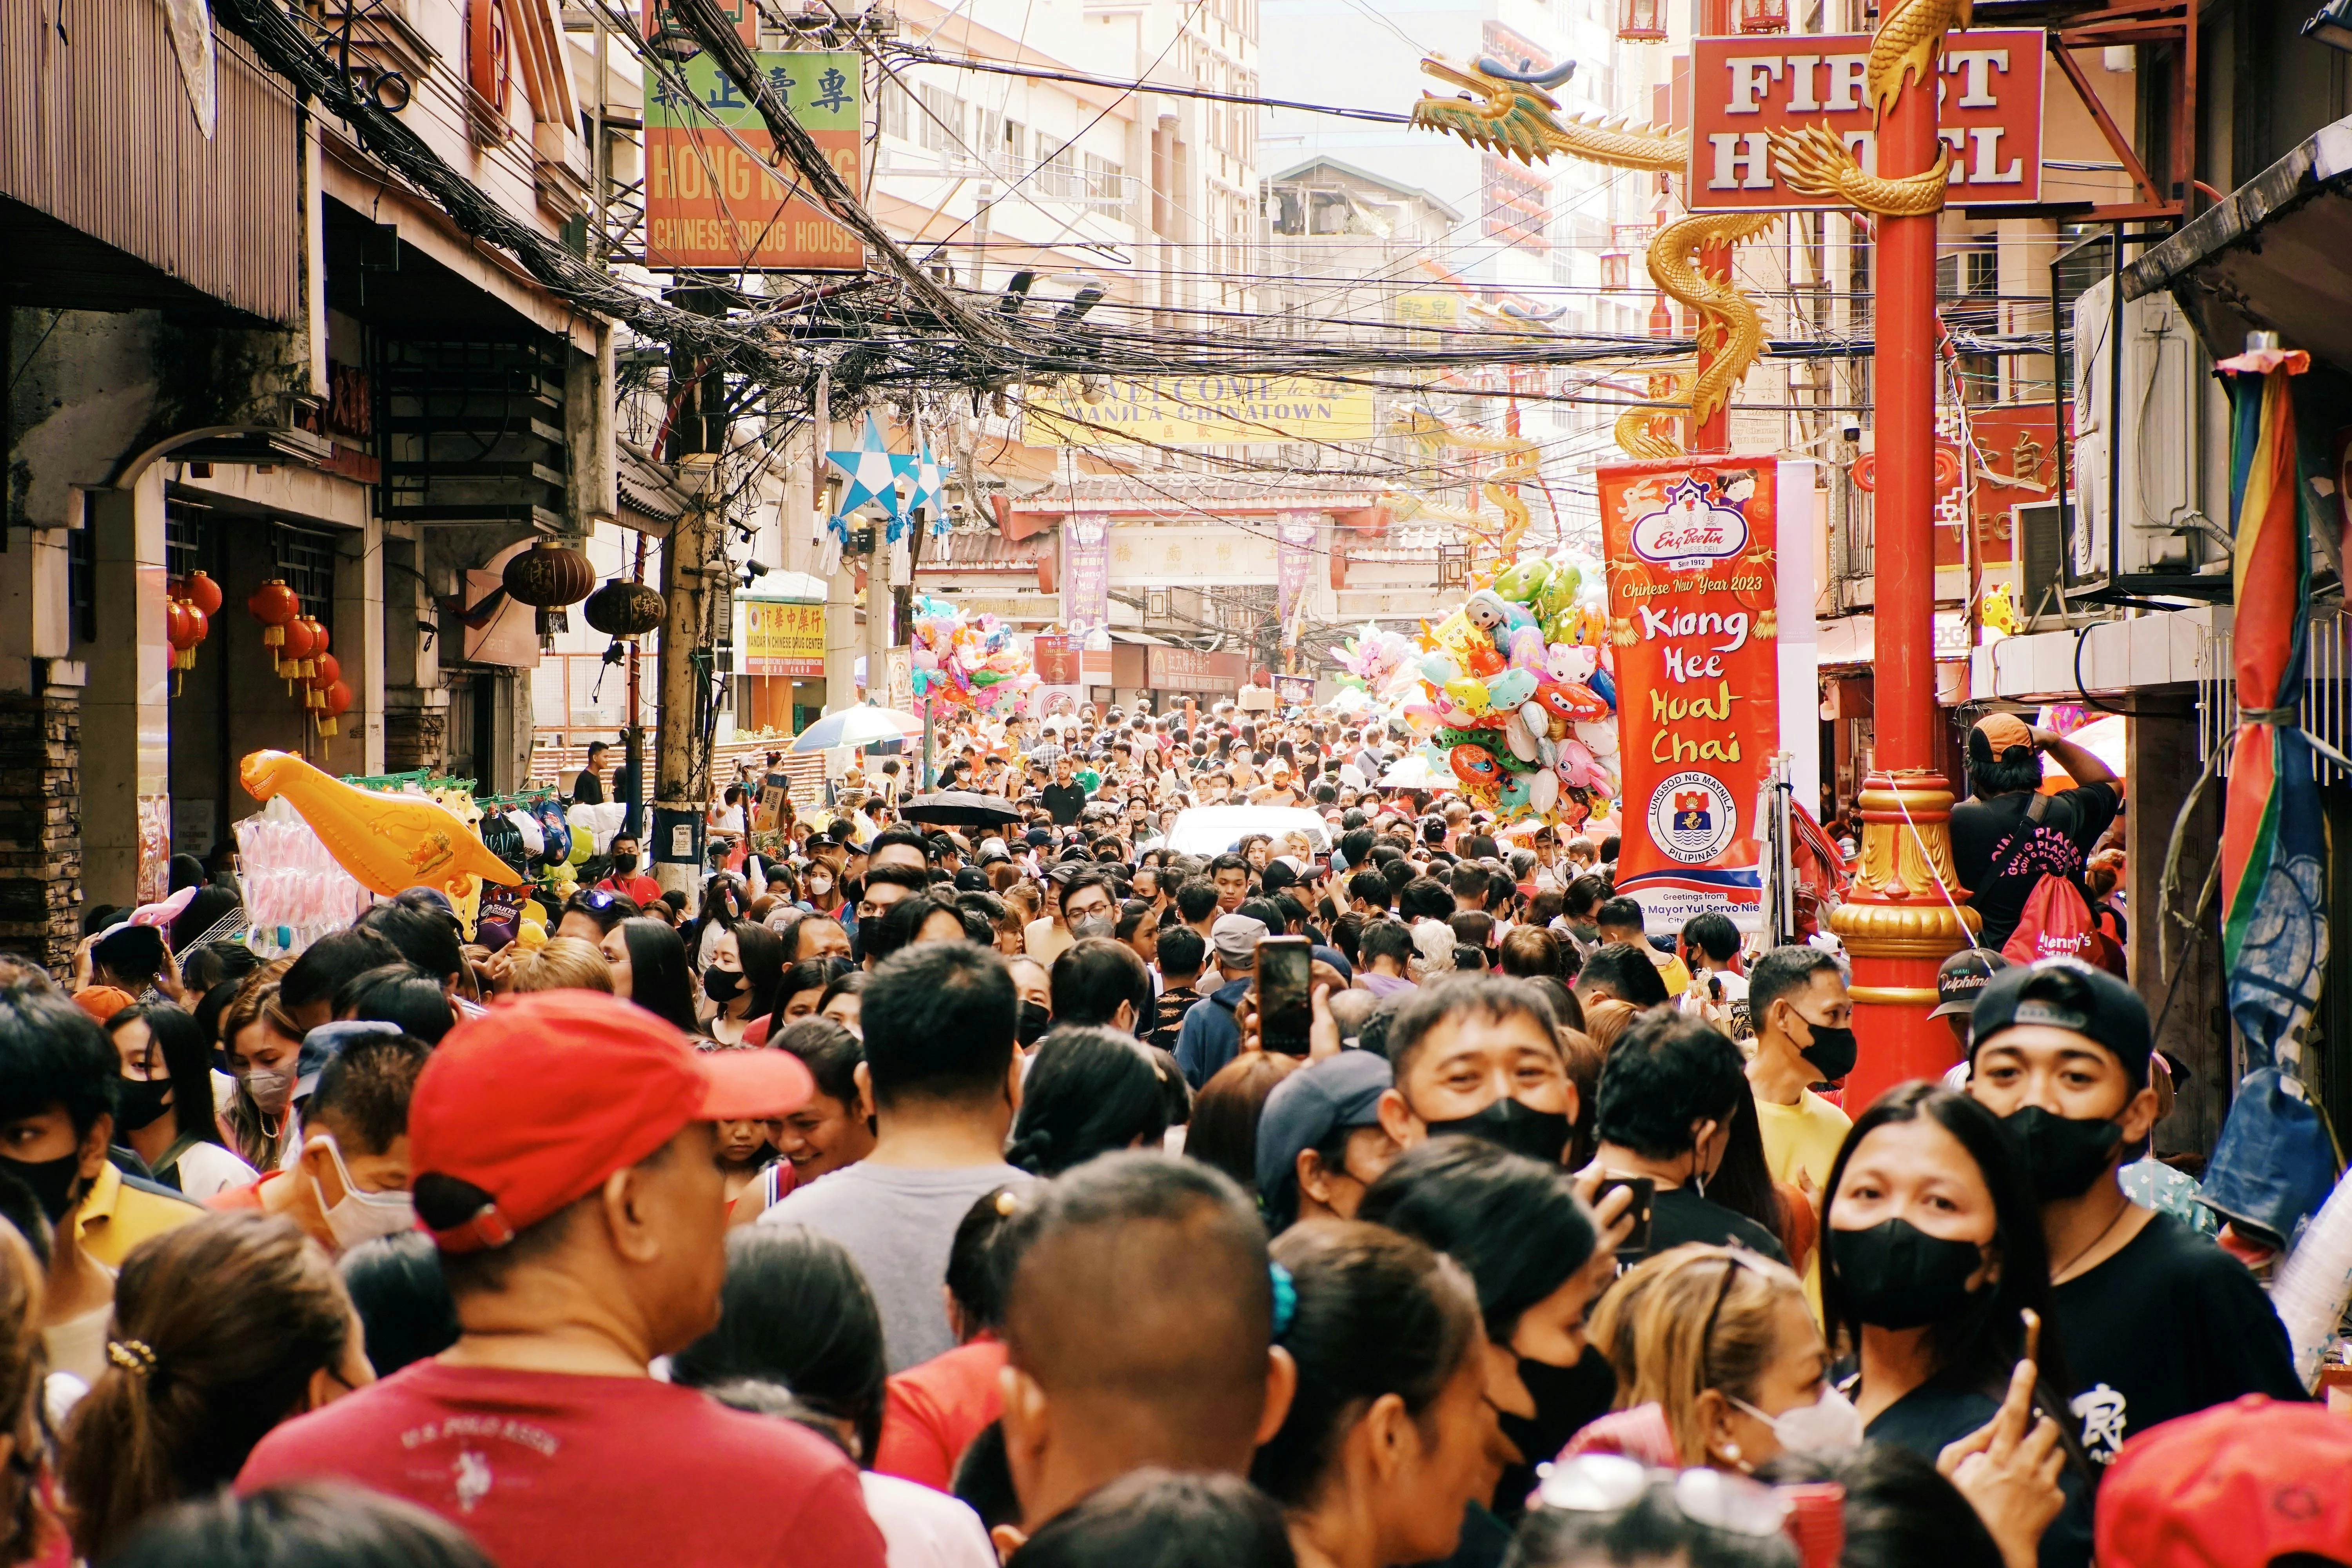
[1989, 113]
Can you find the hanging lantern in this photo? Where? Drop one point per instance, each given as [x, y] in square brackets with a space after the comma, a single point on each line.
[1763, 16]
[202, 592]
[1616, 270]
[183, 627]
[549, 577]
[334, 703]
[315, 689]
[273, 605]
[1641, 21]
[623, 609]
[318, 641]
[296, 643]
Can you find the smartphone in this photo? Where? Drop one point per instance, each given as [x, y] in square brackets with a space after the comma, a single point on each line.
[1284, 994]
[1636, 1245]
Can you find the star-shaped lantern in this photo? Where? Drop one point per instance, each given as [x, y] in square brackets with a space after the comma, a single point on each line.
[872, 472]
[930, 473]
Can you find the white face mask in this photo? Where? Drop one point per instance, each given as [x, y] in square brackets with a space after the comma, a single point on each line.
[1829, 1425]
[363, 1216]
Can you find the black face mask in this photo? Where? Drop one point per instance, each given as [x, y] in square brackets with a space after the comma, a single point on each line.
[1567, 1399]
[624, 863]
[1538, 1134]
[2064, 1155]
[55, 1184]
[141, 1101]
[722, 986]
[1832, 1052]
[1897, 1275]
[1035, 1019]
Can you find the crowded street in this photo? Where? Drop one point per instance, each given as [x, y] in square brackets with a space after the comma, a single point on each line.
[1176, 783]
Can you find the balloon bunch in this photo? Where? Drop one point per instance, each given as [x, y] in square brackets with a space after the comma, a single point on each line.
[964, 662]
[1375, 660]
[1519, 705]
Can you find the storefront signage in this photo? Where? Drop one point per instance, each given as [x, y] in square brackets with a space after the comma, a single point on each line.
[1693, 591]
[782, 639]
[1192, 410]
[1744, 88]
[709, 202]
[1189, 670]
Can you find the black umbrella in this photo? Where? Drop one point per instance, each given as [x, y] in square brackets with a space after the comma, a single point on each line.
[959, 808]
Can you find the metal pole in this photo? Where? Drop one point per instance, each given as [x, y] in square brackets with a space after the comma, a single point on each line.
[681, 791]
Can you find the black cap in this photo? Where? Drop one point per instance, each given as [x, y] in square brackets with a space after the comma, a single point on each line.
[2067, 993]
[1963, 978]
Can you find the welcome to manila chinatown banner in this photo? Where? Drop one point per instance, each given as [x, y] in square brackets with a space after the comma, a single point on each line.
[1692, 547]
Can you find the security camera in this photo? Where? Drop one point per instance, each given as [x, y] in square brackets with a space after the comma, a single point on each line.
[1850, 429]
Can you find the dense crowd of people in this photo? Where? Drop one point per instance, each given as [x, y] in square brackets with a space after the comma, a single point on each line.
[930, 1197]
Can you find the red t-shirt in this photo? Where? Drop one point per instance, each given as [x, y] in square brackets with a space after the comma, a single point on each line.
[550, 1470]
[635, 886]
[933, 1410]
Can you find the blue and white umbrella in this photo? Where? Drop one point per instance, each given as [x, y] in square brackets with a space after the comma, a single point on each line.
[860, 726]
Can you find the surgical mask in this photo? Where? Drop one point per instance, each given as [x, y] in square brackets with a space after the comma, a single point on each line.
[1897, 1275]
[361, 1215]
[269, 1090]
[1567, 1399]
[624, 863]
[1832, 1052]
[819, 887]
[2064, 1155]
[1035, 1019]
[1508, 1124]
[1093, 925]
[1829, 1425]
[139, 1102]
[55, 1184]
[722, 986]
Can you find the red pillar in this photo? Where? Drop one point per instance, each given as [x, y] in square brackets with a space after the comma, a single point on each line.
[1899, 924]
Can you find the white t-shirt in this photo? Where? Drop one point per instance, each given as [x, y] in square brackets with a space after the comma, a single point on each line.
[925, 1529]
[206, 1169]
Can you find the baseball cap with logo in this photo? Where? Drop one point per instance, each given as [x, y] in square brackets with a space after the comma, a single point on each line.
[2066, 993]
[1962, 977]
[2241, 1485]
[535, 1102]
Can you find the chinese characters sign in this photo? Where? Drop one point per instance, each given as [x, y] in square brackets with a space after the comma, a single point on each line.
[1086, 573]
[712, 200]
[1189, 410]
[1693, 596]
[782, 639]
[1990, 115]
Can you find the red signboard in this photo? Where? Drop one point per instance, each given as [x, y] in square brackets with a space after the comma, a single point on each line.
[1692, 599]
[1055, 656]
[1990, 115]
[1188, 669]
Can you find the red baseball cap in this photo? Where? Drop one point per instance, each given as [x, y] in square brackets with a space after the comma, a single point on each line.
[2237, 1486]
[540, 1098]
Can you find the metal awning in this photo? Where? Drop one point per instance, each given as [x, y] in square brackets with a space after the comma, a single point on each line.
[2270, 257]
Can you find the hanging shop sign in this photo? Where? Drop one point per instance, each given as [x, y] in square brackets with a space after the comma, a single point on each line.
[712, 200]
[1086, 573]
[1693, 596]
[1197, 410]
[781, 638]
[1744, 89]
[1189, 670]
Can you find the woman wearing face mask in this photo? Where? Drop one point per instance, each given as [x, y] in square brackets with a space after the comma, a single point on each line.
[741, 980]
[821, 891]
[222, 1329]
[1932, 1254]
[1387, 1440]
[261, 1042]
[648, 967]
[1539, 1255]
[1721, 1342]
[167, 1063]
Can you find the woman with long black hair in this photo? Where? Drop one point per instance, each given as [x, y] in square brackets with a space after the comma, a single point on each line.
[1933, 1264]
[165, 1105]
[648, 962]
[746, 963]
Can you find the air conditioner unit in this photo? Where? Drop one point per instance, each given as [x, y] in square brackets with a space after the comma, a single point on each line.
[2168, 451]
[2049, 585]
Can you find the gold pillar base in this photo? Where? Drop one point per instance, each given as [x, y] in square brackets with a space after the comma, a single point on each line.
[1904, 901]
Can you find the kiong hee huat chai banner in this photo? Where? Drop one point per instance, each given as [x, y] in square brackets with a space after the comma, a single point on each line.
[1693, 591]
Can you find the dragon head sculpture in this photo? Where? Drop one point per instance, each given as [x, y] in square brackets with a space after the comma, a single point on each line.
[1510, 110]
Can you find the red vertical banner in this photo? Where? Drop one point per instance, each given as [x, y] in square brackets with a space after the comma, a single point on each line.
[1693, 586]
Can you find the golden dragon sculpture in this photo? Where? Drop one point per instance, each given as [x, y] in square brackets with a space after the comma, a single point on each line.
[1512, 113]
[1651, 431]
[1905, 45]
[1521, 465]
[1815, 160]
[1730, 328]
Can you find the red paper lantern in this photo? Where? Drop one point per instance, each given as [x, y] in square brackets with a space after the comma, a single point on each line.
[295, 644]
[273, 605]
[202, 592]
[330, 670]
[333, 703]
[1641, 21]
[1763, 16]
[320, 638]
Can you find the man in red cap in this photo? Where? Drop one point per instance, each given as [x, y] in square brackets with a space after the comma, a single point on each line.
[2004, 842]
[2244, 1485]
[566, 1164]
